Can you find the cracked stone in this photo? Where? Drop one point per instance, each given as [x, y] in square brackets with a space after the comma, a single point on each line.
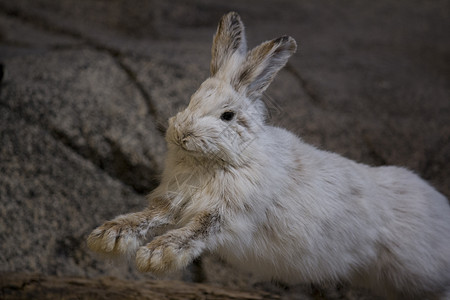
[19, 38]
[47, 185]
[87, 101]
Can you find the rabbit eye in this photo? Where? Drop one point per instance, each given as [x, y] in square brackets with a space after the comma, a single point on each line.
[227, 116]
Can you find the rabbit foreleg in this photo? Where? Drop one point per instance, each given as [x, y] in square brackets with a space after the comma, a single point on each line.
[176, 248]
[126, 233]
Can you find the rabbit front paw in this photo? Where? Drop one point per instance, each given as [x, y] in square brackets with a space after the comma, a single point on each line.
[163, 255]
[115, 237]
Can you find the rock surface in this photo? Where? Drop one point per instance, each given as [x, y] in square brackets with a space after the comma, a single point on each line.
[38, 287]
[86, 85]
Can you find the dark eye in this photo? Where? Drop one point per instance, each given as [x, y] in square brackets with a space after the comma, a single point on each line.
[227, 116]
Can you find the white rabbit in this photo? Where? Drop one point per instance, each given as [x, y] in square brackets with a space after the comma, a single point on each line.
[271, 204]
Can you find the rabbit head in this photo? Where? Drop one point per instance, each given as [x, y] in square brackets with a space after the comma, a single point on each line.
[226, 115]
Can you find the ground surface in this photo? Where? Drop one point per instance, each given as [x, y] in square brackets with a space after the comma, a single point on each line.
[86, 83]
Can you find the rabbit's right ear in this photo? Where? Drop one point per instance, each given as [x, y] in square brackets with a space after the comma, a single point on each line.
[261, 65]
[229, 40]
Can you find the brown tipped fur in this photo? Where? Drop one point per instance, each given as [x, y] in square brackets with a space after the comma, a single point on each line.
[229, 38]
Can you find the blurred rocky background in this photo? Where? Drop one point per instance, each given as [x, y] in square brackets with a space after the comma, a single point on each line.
[86, 86]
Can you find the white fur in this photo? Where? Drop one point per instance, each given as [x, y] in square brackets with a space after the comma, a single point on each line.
[284, 209]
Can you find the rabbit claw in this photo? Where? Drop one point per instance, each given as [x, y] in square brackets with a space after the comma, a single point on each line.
[163, 255]
[113, 238]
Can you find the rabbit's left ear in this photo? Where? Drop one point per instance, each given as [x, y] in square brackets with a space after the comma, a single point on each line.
[228, 41]
[262, 64]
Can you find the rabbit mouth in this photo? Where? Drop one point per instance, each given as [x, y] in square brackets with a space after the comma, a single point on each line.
[186, 142]
[200, 148]
[196, 146]
[190, 150]
[191, 144]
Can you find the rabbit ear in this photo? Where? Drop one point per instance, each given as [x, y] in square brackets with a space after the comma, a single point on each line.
[228, 40]
[262, 64]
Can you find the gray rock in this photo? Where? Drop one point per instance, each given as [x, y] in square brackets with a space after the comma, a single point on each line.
[19, 38]
[87, 101]
[51, 198]
[86, 85]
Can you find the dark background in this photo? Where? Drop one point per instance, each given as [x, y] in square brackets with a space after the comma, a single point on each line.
[86, 83]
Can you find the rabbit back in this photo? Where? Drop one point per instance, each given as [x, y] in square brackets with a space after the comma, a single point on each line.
[319, 217]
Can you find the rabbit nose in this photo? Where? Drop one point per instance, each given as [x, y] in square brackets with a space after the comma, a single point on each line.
[185, 137]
